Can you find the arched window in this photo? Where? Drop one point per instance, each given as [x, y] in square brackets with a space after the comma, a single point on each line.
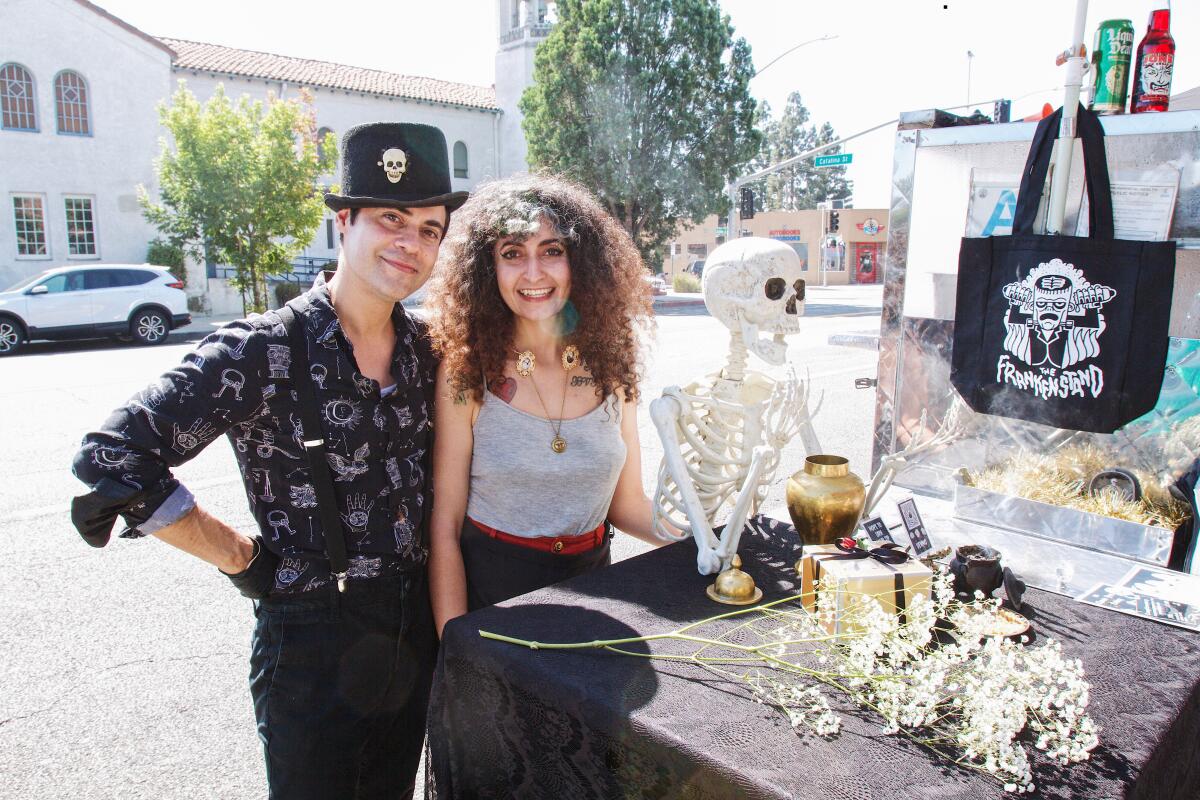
[18, 110]
[71, 103]
[321, 134]
[460, 160]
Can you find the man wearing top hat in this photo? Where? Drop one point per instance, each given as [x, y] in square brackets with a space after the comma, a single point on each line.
[342, 656]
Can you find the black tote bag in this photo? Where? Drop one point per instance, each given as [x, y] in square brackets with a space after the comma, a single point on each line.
[1063, 330]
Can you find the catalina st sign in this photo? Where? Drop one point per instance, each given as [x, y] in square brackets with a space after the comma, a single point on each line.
[837, 160]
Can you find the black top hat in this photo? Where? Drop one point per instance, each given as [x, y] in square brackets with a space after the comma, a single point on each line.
[394, 165]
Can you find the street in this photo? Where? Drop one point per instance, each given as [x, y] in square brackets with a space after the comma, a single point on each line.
[125, 669]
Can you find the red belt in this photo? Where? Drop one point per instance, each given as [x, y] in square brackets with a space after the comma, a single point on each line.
[559, 545]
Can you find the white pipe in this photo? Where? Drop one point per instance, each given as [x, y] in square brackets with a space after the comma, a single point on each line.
[1066, 132]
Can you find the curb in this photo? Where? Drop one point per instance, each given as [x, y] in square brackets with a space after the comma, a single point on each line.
[867, 341]
[675, 301]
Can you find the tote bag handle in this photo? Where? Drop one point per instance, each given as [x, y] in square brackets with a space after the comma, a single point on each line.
[1095, 168]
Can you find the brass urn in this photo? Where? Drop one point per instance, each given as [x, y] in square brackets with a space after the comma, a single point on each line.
[825, 499]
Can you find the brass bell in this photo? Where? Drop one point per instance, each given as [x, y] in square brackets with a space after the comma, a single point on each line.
[734, 587]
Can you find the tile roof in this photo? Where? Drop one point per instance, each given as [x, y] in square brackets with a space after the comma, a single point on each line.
[307, 72]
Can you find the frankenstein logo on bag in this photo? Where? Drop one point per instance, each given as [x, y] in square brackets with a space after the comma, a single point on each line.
[1054, 322]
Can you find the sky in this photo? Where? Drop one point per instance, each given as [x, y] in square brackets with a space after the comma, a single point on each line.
[888, 56]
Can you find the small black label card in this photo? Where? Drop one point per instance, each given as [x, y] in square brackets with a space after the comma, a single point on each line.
[915, 527]
[877, 529]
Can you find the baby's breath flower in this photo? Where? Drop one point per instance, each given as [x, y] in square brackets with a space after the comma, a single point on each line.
[980, 692]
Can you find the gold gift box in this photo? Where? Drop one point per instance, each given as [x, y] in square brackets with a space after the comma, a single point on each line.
[853, 580]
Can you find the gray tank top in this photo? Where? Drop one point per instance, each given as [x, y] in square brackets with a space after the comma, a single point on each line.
[520, 486]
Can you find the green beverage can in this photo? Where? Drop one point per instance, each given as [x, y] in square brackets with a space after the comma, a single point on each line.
[1112, 52]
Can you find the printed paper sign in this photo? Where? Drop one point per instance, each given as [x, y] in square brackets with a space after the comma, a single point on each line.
[915, 527]
[1156, 594]
[1141, 210]
[877, 529]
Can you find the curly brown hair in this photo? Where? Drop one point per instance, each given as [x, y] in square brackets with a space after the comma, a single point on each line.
[472, 327]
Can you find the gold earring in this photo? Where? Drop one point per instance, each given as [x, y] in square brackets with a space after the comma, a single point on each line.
[525, 363]
[570, 357]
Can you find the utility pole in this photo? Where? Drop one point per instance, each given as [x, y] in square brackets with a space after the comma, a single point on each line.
[970, 58]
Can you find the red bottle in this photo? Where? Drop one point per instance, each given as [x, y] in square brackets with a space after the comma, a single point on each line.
[1155, 63]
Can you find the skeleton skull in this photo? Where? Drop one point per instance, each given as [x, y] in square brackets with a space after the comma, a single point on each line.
[394, 163]
[756, 286]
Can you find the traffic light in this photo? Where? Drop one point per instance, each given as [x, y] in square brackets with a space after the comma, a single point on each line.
[1001, 110]
[833, 221]
[746, 211]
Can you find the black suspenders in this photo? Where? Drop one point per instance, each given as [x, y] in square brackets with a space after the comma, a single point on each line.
[314, 447]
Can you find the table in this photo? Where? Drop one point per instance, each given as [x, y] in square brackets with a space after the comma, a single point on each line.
[506, 721]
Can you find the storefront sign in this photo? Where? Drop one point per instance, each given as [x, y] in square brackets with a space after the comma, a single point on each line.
[785, 235]
[870, 226]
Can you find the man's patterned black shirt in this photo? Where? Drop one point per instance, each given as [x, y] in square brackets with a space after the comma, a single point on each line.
[237, 382]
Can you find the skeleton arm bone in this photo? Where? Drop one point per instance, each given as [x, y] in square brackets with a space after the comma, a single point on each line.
[746, 501]
[665, 412]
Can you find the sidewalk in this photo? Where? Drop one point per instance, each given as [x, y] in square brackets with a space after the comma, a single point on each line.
[850, 295]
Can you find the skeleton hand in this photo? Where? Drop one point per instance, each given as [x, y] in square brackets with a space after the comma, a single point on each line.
[708, 562]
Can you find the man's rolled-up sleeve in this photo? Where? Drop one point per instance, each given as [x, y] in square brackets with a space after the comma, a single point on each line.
[127, 462]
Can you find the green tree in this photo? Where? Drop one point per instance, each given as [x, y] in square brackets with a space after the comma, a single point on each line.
[647, 103]
[171, 255]
[240, 182]
[803, 185]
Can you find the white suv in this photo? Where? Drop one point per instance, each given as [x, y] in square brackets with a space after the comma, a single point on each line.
[134, 300]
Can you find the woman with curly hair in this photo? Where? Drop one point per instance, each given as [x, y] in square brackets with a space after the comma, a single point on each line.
[535, 310]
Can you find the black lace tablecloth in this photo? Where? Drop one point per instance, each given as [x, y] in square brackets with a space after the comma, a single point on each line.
[506, 721]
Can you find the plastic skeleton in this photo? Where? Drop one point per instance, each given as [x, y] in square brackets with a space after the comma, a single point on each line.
[722, 435]
[891, 466]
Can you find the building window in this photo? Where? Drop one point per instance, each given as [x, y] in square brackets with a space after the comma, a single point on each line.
[71, 104]
[81, 227]
[541, 12]
[17, 109]
[460, 160]
[321, 134]
[328, 234]
[30, 218]
[698, 250]
[801, 249]
[515, 18]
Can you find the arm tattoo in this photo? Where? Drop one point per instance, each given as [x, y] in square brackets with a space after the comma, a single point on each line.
[505, 389]
[583, 380]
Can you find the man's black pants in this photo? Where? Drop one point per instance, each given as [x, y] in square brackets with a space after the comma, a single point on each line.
[341, 686]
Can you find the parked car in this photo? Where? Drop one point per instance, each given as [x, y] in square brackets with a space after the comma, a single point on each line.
[136, 301]
[655, 284]
[696, 268]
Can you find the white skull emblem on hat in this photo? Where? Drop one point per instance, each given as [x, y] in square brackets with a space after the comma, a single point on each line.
[394, 163]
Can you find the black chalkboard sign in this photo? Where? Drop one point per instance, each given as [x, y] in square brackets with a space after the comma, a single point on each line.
[877, 529]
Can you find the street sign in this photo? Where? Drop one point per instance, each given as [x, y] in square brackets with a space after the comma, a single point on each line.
[834, 160]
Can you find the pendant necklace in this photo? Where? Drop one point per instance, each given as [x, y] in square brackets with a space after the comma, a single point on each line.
[570, 360]
[558, 444]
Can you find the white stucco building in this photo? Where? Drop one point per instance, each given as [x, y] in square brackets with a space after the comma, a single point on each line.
[78, 132]
[79, 128]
